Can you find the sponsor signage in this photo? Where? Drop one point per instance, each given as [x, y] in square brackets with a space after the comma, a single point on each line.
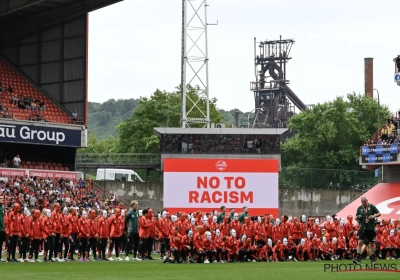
[42, 135]
[208, 184]
[397, 77]
[385, 196]
[379, 153]
[10, 172]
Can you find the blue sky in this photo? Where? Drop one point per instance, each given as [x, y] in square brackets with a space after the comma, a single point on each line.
[135, 48]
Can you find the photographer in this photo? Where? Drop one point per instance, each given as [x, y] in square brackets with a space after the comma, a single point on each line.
[365, 216]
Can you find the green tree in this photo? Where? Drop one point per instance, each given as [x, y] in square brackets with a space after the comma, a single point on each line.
[161, 109]
[329, 136]
[96, 146]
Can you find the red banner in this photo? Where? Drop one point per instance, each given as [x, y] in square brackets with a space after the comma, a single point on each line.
[10, 172]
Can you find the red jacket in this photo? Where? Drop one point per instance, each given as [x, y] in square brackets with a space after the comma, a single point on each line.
[48, 227]
[115, 226]
[94, 228]
[65, 226]
[73, 223]
[36, 229]
[144, 227]
[176, 242]
[162, 226]
[25, 226]
[104, 228]
[14, 224]
[84, 228]
[56, 218]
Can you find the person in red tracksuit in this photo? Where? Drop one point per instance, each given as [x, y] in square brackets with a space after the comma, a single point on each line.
[104, 234]
[162, 225]
[208, 246]
[187, 246]
[73, 224]
[224, 227]
[65, 234]
[144, 229]
[84, 230]
[232, 246]
[124, 237]
[56, 216]
[48, 227]
[115, 234]
[152, 227]
[25, 230]
[219, 245]
[235, 224]
[94, 233]
[14, 231]
[35, 236]
[198, 244]
[176, 246]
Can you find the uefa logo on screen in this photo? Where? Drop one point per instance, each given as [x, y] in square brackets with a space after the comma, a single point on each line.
[221, 165]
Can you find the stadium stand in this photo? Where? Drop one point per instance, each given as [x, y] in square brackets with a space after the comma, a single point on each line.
[20, 100]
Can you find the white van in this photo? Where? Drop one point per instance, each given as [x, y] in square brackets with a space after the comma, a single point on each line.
[117, 175]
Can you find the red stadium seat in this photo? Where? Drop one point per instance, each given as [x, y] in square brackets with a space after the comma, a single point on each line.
[10, 77]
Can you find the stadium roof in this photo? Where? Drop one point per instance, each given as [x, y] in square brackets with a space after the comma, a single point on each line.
[14, 15]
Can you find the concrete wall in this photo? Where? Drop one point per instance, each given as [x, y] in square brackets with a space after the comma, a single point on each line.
[148, 194]
[391, 173]
[295, 202]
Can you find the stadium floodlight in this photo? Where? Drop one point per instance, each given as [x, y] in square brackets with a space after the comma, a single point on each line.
[194, 63]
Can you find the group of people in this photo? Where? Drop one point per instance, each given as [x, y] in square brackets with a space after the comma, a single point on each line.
[197, 237]
[60, 233]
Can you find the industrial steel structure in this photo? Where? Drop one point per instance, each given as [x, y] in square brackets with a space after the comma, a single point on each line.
[274, 101]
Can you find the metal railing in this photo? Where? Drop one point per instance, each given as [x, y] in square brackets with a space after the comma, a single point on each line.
[117, 159]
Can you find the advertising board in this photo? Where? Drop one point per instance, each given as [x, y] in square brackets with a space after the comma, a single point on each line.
[18, 172]
[43, 135]
[208, 184]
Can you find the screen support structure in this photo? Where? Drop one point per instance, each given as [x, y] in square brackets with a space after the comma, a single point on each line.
[194, 64]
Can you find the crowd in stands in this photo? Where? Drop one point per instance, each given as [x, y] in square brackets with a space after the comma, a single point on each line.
[19, 100]
[388, 134]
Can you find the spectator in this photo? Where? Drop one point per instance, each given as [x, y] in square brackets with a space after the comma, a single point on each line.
[17, 161]
[42, 106]
[75, 116]
[1, 87]
[10, 89]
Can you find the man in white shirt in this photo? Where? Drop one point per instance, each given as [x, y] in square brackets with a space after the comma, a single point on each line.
[17, 161]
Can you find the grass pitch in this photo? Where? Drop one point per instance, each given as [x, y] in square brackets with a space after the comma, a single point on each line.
[157, 270]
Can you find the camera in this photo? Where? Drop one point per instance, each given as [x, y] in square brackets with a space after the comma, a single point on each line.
[361, 218]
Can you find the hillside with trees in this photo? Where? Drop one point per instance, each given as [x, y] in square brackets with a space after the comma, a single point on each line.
[105, 117]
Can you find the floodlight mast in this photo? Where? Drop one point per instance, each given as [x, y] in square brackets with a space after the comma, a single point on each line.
[194, 64]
